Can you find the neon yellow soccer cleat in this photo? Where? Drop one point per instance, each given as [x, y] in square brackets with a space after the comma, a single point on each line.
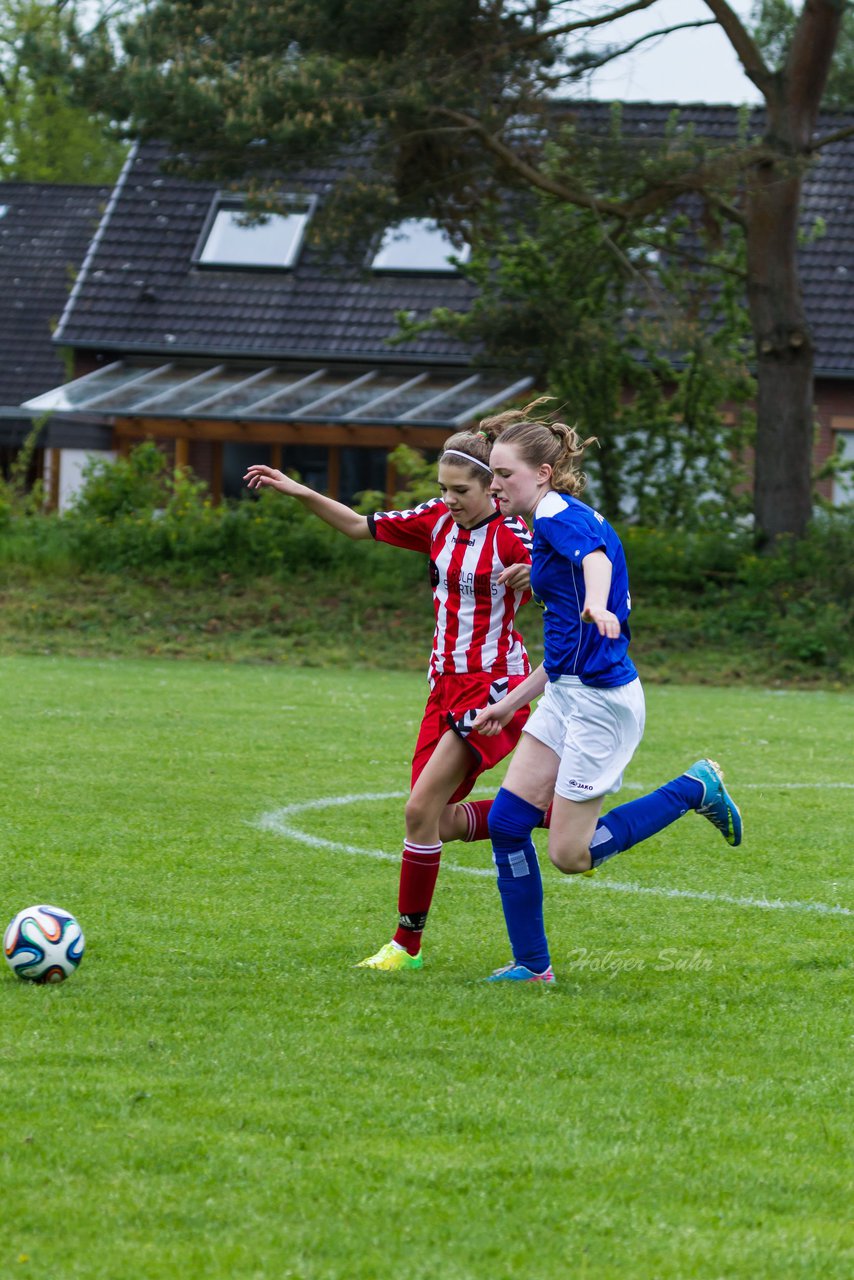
[392, 958]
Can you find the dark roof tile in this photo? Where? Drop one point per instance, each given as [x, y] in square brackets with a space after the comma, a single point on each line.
[44, 234]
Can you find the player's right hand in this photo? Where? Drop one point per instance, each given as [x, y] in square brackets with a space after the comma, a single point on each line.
[489, 721]
[516, 576]
[259, 476]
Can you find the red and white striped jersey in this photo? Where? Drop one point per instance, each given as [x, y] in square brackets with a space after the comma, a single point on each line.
[475, 614]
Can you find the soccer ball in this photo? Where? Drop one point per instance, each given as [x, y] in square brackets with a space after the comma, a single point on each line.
[43, 944]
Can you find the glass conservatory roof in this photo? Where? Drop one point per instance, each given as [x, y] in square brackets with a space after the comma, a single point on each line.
[281, 393]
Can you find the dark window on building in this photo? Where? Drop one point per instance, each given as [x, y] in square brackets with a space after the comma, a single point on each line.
[310, 462]
[235, 459]
[362, 469]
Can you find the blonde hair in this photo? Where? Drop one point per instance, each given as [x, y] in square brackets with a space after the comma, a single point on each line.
[540, 440]
[473, 445]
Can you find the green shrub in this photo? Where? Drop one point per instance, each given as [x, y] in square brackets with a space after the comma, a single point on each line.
[801, 599]
[38, 542]
[693, 591]
[134, 514]
[665, 562]
[113, 489]
[795, 604]
[18, 500]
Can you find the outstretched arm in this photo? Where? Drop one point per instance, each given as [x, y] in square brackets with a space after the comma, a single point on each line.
[333, 513]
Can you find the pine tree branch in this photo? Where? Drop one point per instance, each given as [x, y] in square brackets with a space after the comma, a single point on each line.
[830, 138]
[614, 53]
[571, 193]
[581, 24]
[727, 210]
[685, 255]
[702, 179]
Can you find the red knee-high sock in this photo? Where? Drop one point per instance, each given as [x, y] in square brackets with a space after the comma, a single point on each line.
[419, 870]
[477, 815]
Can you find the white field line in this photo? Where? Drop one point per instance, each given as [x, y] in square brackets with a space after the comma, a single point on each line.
[280, 821]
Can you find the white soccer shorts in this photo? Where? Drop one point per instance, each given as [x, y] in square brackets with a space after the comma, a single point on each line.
[594, 731]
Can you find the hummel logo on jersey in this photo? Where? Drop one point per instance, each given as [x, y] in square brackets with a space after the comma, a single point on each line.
[463, 726]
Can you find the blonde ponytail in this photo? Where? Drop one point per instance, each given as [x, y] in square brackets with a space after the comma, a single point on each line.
[540, 441]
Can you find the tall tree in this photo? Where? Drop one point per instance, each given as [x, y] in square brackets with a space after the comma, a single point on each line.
[46, 135]
[642, 348]
[773, 26]
[456, 99]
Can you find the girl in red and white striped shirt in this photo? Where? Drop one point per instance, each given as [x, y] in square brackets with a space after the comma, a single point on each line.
[479, 573]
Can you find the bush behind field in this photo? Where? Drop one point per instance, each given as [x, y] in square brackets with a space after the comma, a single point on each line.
[145, 562]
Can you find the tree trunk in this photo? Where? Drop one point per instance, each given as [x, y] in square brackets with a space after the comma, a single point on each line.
[782, 502]
[784, 347]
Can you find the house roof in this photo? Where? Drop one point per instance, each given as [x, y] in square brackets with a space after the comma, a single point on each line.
[140, 294]
[44, 233]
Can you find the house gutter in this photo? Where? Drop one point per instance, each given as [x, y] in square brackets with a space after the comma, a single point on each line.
[318, 356]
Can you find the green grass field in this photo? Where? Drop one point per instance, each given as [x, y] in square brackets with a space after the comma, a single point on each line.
[218, 1093]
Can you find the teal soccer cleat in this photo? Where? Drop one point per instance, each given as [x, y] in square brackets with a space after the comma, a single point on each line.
[514, 972]
[717, 804]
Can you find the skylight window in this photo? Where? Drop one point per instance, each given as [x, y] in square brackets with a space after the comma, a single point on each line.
[418, 244]
[273, 242]
[4, 209]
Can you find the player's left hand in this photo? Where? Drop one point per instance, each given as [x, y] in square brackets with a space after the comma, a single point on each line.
[516, 577]
[606, 622]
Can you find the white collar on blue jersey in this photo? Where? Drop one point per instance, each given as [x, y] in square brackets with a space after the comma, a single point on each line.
[550, 504]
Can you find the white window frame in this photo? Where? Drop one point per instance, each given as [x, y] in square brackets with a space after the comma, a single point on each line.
[232, 206]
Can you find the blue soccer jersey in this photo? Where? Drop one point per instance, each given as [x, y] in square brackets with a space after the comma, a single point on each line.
[565, 531]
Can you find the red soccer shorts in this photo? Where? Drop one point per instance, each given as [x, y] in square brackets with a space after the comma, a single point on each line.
[451, 698]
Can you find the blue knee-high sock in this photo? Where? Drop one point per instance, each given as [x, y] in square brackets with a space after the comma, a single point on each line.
[511, 821]
[630, 823]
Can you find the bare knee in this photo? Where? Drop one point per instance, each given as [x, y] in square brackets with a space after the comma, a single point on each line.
[571, 859]
[423, 818]
[414, 812]
[572, 826]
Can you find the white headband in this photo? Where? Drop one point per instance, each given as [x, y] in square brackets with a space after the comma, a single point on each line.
[477, 462]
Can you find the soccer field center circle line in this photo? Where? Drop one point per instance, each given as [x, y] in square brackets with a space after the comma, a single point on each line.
[280, 823]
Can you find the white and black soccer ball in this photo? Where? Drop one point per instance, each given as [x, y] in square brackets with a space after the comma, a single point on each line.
[43, 944]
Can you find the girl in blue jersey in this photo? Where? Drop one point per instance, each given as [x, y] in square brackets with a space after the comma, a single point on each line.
[584, 731]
